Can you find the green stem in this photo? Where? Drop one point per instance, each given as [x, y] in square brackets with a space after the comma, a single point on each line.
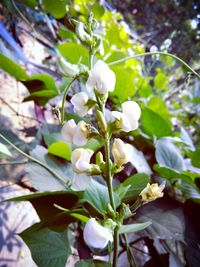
[116, 246]
[58, 177]
[108, 171]
[157, 53]
[128, 252]
[63, 100]
[91, 60]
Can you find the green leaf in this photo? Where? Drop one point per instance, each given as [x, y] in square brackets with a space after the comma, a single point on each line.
[75, 53]
[132, 228]
[125, 86]
[171, 174]
[51, 138]
[97, 196]
[4, 152]
[97, 10]
[12, 68]
[61, 150]
[195, 158]
[30, 3]
[161, 81]
[92, 263]
[168, 155]
[154, 124]
[41, 88]
[74, 213]
[56, 8]
[156, 104]
[48, 248]
[41, 178]
[136, 184]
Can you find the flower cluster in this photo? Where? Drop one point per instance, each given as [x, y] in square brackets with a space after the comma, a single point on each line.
[100, 82]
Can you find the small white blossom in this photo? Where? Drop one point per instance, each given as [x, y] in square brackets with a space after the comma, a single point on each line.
[79, 101]
[102, 78]
[152, 192]
[95, 235]
[121, 152]
[81, 160]
[75, 134]
[128, 118]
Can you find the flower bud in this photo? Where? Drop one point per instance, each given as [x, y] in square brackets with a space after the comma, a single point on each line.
[68, 69]
[121, 152]
[81, 160]
[75, 134]
[95, 235]
[151, 192]
[102, 78]
[79, 101]
[82, 34]
[128, 118]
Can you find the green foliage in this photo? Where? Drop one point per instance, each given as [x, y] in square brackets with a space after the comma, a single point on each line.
[167, 154]
[41, 87]
[134, 185]
[60, 149]
[131, 228]
[12, 68]
[74, 52]
[154, 124]
[56, 8]
[97, 196]
[48, 248]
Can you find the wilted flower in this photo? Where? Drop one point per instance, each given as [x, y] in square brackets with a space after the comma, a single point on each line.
[79, 101]
[128, 118]
[75, 134]
[152, 192]
[95, 235]
[121, 152]
[81, 160]
[102, 78]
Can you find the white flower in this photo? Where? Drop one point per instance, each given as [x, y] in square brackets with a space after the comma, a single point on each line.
[128, 118]
[80, 181]
[79, 101]
[102, 78]
[75, 134]
[95, 235]
[121, 152]
[152, 192]
[81, 160]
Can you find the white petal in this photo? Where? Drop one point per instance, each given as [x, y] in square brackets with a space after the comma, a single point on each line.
[132, 112]
[80, 159]
[68, 130]
[80, 181]
[80, 136]
[95, 235]
[101, 77]
[79, 102]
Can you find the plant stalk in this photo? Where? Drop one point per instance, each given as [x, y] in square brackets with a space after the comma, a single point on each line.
[64, 98]
[108, 171]
[116, 246]
[157, 53]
